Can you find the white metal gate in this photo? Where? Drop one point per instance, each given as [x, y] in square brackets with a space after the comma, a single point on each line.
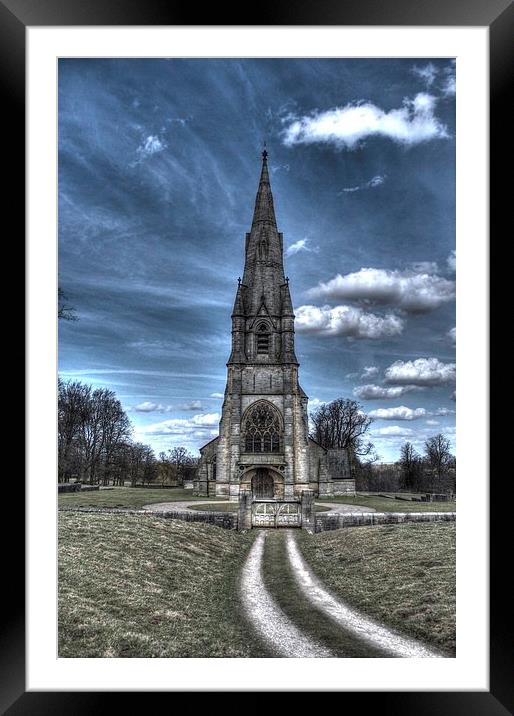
[274, 513]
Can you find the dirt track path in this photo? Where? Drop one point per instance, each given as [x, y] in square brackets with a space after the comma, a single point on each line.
[348, 632]
[267, 618]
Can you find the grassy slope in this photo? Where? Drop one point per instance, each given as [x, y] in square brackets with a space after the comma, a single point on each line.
[383, 504]
[404, 575]
[133, 586]
[133, 497]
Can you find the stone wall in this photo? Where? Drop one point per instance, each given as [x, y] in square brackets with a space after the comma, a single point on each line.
[75, 487]
[338, 520]
[68, 487]
[342, 487]
[227, 520]
[159, 486]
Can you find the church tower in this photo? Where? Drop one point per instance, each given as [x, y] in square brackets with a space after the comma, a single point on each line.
[263, 442]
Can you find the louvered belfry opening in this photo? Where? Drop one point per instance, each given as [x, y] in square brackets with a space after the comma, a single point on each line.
[263, 339]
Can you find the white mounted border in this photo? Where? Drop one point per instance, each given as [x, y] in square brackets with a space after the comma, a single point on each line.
[469, 670]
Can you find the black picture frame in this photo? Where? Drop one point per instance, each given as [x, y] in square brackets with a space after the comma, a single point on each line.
[498, 16]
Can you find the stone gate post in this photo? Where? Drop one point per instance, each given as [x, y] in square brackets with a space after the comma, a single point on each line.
[245, 510]
[308, 511]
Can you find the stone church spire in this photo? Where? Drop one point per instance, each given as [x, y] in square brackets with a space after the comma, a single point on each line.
[263, 302]
[264, 263]
[264, 211]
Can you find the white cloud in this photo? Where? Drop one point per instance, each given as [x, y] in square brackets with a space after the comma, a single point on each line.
[192, 405]
[379, 392]
[151, 145]
[371, 184]
[410, 291]
[427, 73]
[348, 126]
[432, 422]
[452, 261]
[198, 425]
[446, 83]
[422, 372]
[370, 371]
[377, 180]
[425, 266]
[217, 395]
[346, 321]
[449, 87]
[393, 430]
[452, 334]
[280, 167]
[443, 412]
[399, 413]
[148, 407]
[300, 245]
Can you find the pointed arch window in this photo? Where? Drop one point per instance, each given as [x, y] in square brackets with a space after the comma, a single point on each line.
[262, 429]
[263, 339]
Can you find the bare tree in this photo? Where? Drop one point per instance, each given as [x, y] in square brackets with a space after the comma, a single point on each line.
[150, 467]
[94, 439]
[410, 465]
[64, 311]
[73, 399]
[182, 461]
[167, 473]
[439, 458]
[104, 425]
[343, 424]
[116, 429]
[119, 468]
[137, 456]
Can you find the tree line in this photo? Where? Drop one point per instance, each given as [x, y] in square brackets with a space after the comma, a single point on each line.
[95, 444]
[342, 423]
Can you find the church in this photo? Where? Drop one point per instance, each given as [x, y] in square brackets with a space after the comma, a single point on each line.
[263, 446]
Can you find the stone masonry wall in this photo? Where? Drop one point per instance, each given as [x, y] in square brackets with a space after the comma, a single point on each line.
[335, 521]
[227, 520]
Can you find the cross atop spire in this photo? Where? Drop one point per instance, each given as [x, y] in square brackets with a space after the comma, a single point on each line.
[264, 210]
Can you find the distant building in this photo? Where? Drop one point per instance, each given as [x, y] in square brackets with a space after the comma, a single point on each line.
[263, 443]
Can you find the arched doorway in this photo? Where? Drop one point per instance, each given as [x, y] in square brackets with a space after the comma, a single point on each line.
[263, 484]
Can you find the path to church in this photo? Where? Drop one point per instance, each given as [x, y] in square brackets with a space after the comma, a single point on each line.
[278, 587]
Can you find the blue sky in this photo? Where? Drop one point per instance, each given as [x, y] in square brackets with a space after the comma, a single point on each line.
[159, 162]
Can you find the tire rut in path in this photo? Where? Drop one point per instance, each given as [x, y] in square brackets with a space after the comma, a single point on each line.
[267, 618]
[281, 582]
[364, 628]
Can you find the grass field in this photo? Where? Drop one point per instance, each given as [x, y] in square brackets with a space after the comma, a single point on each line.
[403, 575]
[133, 497]
[133, 586]
[383, 504]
